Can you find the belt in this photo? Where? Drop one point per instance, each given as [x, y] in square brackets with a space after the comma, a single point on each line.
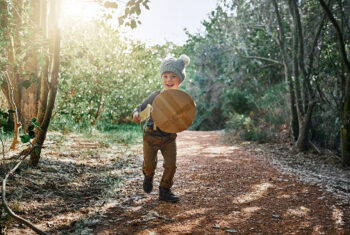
[150, 131]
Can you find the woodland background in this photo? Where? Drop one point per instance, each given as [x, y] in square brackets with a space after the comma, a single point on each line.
[262, 69]
[258, 68]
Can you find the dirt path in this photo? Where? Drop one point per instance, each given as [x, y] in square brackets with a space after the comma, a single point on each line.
[225, 189]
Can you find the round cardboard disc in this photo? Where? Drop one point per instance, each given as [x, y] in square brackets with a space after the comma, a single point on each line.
[173, 111]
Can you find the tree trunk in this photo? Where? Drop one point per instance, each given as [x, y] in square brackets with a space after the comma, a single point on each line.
[98, 108]
[54, 38]
[39, 98]
[44, 83]
[10, 74]
[305, 106]
[345, 132]
[29, 102]
[302, 143]
[287, 73]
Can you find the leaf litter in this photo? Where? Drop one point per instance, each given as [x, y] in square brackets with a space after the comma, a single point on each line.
[83, 186]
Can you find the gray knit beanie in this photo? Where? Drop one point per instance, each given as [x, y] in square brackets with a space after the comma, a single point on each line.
[176, 66]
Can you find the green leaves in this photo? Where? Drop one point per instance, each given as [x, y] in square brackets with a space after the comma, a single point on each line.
[6, 121]
[35, 123]
[133, 24]
[110, 4]
[31, 133]
[131, 13]
[25, 138]
[145, 4]
[26, 83]
[112, 73]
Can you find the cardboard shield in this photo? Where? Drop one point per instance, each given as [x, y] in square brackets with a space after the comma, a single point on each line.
[173, 111]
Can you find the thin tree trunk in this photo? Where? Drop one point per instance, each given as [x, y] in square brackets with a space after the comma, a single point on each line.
[287, 74]
[98, 109]
[17, 124]
[44, 86]
[54, 68]
[296, 78]
[10, 75]
[302, 140]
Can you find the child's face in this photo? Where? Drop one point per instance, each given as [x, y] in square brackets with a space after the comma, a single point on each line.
[170, 80]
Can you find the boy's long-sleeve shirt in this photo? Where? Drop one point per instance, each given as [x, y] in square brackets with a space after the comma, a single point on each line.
[144, 104]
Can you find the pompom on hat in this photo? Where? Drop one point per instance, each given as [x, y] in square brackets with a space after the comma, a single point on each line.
[176, 66]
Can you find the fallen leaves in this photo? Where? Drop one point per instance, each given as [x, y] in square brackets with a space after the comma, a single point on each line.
[85, 187]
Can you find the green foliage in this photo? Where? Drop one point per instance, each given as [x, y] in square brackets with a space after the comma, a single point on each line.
[30, 132]
[121, 133]
[26, 83]
[248, 128]
[131, 12]
[326, 124]
[231, 84]
[254, 134]
[6, 121]
[238, 101]
[238, 121]
[222, 80]
[272, 105]
[82, 226]
[111, 184]
[103, 76]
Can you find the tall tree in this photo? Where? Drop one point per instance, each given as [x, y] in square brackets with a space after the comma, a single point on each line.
[345, 60]
[306, 97]
[31, 84]
[30, 69]
[287, 71]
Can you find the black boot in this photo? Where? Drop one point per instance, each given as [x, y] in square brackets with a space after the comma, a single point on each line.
[147, 184]
[166, 195]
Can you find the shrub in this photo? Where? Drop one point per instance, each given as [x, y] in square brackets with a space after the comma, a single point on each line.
[238, 101]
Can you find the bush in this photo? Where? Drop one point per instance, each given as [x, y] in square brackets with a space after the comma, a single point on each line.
[247, 129]
[256, 117]
[254, 134]
[238, 101]
[6, 121]
[325, 127]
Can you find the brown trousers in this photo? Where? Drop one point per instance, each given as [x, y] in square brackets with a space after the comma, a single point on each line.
[152, 142]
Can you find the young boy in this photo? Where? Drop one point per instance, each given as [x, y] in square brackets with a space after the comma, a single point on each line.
[172, 72]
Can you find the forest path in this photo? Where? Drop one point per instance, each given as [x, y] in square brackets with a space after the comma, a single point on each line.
[225, 189]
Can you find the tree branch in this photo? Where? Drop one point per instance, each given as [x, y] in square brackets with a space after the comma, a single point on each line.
[270, 65]
[314, 44]
[260, 58]
[339, 34]
[4, 202]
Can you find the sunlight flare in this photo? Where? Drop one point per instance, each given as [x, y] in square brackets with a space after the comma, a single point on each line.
[78, 10]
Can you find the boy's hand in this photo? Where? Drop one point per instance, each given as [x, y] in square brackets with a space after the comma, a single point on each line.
[136, 117]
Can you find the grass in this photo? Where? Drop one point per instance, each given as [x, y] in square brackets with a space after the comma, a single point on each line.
[111, 185]
[106, 134]
[120, 133]
[5, 136]
[84, 159]
[82, 225]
